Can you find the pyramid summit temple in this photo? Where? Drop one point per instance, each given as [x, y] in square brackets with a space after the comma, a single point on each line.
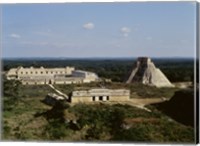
[145, 72]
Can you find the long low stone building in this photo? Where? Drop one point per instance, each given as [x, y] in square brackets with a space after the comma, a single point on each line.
[37, 76]
[96, 95]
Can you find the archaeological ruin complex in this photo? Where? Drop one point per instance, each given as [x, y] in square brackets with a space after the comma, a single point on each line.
[37, 76]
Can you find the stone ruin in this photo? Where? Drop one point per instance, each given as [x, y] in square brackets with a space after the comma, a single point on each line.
[146, 73]
[52, 98]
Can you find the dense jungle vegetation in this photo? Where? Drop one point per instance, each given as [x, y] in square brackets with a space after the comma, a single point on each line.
[177, 70]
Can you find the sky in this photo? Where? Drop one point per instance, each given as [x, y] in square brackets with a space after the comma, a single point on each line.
[82, 30]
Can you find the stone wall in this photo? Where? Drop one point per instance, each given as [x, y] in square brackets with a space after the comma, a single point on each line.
[103, 95]
[119, 98]
[34, 76]
[85, 99]
[79, 99]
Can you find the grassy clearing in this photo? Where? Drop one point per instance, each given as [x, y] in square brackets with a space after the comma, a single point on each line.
[35, 90]
[150, 91]
[137, 90]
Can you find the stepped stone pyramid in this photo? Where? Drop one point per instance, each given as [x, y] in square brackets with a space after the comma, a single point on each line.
[145, 72]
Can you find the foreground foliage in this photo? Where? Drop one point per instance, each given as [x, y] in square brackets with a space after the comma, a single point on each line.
[32, 120]
[25, 117]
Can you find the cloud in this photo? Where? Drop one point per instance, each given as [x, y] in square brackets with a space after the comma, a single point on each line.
[41, 43]
[125, 34]
[125, 31]
[88, 26]
[49, 44]
[184, 41]
[13, 35]
[43, 33]
[149, 38]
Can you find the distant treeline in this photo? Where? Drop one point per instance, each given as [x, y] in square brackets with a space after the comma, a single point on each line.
[116, 69]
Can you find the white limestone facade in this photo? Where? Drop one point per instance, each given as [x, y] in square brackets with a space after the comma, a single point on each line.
[67, 75]
[87, 76]
[96, 95]
[147, 73]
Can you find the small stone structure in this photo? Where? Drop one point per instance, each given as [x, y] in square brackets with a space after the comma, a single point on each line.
[145, 72]
[52, 98]
[67, 75]
[96, 95]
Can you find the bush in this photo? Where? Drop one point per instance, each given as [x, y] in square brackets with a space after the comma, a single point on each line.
[55, 130]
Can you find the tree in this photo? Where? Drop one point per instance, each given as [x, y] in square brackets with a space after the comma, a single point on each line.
[11, 93]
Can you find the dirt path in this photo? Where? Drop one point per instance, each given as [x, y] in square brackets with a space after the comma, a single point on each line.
[57, 91]
[141, 102]
[147, 101]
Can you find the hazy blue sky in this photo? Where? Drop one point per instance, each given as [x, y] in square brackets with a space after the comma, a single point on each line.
[155, 29]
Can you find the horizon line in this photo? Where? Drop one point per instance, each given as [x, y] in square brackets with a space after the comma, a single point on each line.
[118, 57]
